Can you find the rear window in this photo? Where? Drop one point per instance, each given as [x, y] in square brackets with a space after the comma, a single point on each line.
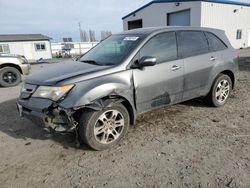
[192, 43]
[215, 44]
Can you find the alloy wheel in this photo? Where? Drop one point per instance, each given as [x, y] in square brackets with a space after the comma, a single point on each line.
[222, 91]
[9, 77]
[109, 126]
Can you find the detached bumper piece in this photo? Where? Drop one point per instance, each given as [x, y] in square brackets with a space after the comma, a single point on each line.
[60, 120]
[51, 115]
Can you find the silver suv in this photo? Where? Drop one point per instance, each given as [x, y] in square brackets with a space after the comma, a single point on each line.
[11, 69]
[130, 73]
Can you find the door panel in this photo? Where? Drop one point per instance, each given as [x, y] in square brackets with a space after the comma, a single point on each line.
[197, 72]
[193, 47]
[162, 83]
[158, 85]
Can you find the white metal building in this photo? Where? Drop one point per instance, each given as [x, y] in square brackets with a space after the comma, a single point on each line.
[230, 15]
[32, 46]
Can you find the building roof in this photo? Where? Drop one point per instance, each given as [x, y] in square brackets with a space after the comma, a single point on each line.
[232, 2]
[23, 37]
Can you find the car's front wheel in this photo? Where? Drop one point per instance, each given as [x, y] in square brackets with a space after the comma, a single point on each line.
[103, 129]
[9, 76]
[220, 91]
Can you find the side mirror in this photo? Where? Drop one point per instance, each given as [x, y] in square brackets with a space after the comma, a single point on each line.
[147, 61]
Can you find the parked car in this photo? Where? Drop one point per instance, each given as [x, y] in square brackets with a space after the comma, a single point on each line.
[11, 69]
[128, 74]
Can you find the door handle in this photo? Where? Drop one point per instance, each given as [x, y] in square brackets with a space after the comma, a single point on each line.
[212, 58]
[175, 67]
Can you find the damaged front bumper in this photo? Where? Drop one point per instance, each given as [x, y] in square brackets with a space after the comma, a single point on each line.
[49, 113]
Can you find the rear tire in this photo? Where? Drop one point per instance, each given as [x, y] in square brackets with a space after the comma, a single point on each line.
[105, 128]
[9, 77]
[220, 91]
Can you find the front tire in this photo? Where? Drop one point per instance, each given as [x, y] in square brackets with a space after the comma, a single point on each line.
[220, 91]
[104, 129]
[9, 77]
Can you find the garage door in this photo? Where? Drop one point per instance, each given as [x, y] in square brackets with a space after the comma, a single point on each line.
[180, 18]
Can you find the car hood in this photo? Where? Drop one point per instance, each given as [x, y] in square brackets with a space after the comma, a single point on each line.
[61, 71]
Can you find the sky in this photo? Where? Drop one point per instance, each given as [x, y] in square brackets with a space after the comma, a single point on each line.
[59, 18]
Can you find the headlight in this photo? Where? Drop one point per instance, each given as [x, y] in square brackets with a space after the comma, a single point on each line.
[22, 61]
[53, 93]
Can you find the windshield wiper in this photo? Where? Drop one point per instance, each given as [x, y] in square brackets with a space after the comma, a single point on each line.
[90, 62]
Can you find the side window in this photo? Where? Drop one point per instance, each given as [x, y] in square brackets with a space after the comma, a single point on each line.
[163, 47]
[192, 43]
[40, 47]
[4, 48]
[238, 34]
[215, 44]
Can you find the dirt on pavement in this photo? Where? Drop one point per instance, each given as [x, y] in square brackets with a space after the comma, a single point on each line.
[185, 145]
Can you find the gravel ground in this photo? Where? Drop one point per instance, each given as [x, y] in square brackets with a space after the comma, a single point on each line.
[185, 145]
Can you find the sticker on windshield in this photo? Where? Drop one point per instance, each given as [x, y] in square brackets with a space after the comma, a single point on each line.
[131, 38]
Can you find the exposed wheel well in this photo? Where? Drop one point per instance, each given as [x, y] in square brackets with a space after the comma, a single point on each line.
[124, 102]
[11, 65]
[130, 111]
[231, 75]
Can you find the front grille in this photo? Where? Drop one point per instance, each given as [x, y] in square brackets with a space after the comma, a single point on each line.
[27, 90]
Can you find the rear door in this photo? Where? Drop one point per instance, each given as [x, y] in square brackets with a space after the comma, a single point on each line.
[198, 62]
[161, 84]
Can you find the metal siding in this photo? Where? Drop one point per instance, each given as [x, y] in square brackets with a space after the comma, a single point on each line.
[27, 48]
[242, 3]
[248, 42]
[156, 14]
[222, 16]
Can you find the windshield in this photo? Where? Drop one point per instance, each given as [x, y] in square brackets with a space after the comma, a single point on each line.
[113, 50]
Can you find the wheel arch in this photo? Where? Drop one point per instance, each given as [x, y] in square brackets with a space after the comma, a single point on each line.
[231, 76]
[11, 65]
[106, 102]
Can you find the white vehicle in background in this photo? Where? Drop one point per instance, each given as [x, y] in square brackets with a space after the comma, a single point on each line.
[12, 67]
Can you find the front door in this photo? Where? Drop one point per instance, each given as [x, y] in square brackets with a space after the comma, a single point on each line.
[162, 83]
